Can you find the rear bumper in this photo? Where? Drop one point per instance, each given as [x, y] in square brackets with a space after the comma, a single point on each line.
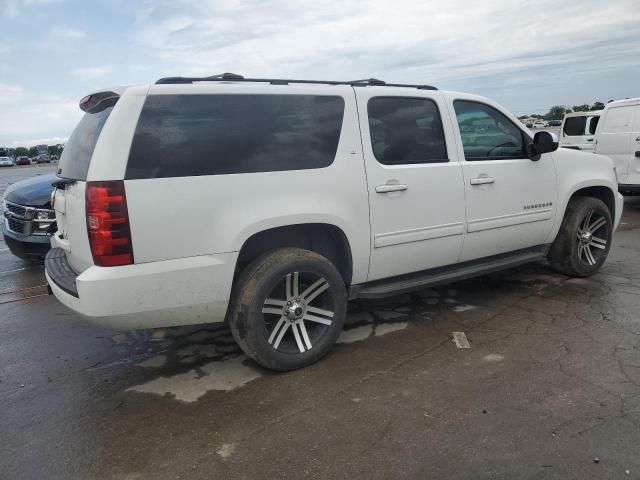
[150, 295]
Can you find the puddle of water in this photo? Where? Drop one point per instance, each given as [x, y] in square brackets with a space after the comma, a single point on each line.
[355, 334]
[190, 386]
[154, 362]
[389, 314]
[493, 357]
[363, 332]
[463, 308]
[384, 328]
[226, 450]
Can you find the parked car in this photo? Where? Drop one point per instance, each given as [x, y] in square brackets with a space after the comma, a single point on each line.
[7, 162]
[554, 123]
[539, 124]
[23, 161]
[578, 129]
[618, 137]
[298, 196]
[43, 158]
[29, 220]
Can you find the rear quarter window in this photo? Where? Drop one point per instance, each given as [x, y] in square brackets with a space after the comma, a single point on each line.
[194, 135]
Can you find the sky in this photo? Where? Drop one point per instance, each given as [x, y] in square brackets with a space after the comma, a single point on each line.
[526, 55]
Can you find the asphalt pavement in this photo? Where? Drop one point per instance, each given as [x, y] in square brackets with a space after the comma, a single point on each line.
[549, 388]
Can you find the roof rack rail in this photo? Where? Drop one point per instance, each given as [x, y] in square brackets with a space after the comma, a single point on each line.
[233, 77]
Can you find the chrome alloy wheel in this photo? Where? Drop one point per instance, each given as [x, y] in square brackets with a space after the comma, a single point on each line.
[593, 236]
[298, 312]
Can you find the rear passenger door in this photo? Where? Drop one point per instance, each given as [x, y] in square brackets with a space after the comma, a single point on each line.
[415, 187]
[510, 200]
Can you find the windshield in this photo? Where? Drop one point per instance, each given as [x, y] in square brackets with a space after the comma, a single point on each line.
[76, 157]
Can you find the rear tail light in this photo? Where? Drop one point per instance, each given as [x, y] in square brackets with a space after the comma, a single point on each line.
[108, 224]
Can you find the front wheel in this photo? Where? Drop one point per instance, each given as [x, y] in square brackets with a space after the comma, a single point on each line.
[584, 239]
[288, 309]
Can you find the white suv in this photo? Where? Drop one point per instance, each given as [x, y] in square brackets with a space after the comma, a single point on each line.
[270, 203]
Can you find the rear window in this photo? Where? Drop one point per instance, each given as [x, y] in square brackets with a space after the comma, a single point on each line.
[193, 135]
[76, 157]
[575, 126]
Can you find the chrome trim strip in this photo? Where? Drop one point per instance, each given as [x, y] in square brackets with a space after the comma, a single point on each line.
[418, 234]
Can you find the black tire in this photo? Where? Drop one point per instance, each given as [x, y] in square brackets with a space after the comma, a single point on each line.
[275, 339]
[567, 254]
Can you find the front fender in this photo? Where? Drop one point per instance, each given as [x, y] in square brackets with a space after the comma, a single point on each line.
[579, 170]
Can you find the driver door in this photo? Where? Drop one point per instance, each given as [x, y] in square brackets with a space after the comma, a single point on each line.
[510, 200]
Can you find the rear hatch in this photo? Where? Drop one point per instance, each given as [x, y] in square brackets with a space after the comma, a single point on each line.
[71, 184]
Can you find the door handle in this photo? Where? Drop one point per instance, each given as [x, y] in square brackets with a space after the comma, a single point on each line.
[391, 187]
[482, 180]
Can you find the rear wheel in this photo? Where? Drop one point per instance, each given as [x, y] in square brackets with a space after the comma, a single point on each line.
[289, 308]
[584, 239]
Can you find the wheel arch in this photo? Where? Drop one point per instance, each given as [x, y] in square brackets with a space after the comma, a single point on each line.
[325, 239]
[596, 190]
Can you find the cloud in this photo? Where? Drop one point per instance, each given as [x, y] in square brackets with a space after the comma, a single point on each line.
[405, 40]
[39, 141]
[62, 32]
[13, 8]
[39, 118]
[90, 73]
[9, 93]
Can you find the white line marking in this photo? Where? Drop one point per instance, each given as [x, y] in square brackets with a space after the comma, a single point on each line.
[460, 339]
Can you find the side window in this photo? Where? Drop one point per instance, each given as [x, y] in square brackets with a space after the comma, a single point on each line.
[594, 124]
[406, 131]
[192, 135]
[574, 126]
[618, 120]
[487, 134]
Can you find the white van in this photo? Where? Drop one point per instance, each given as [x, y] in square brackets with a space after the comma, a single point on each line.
[618, 137]
[578, 130]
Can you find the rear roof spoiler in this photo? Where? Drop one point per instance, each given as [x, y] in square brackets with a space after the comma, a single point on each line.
[98, 101]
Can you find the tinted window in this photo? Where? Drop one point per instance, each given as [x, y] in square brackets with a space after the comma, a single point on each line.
[406, 131]
[574, 126]
[189, 135]
[76, 157]
[593, 125]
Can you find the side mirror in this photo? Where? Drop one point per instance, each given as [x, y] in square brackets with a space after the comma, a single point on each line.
[543, 142]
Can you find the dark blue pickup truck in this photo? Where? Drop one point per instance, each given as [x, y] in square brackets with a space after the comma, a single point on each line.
[29, 220]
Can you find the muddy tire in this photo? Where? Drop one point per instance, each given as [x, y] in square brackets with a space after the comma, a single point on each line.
[288, 308]
[584, 239]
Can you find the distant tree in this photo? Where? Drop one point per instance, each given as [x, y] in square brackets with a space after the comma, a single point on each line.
[581, 108]
[22, 152]
[597, 106]
[557, 112]
[33, 151]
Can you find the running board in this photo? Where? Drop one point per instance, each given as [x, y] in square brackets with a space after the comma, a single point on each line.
[448, 274]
